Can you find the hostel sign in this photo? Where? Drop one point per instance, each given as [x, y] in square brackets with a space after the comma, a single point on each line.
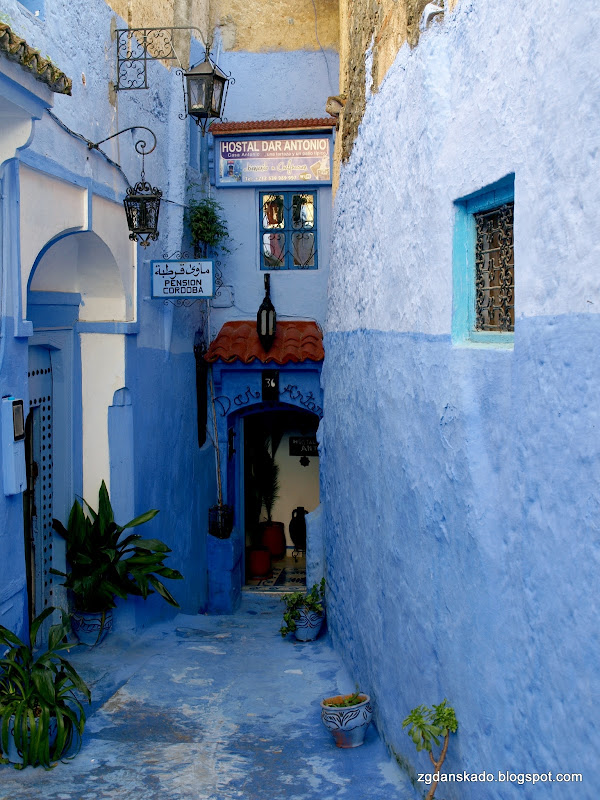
[175, 279]
[259, 161]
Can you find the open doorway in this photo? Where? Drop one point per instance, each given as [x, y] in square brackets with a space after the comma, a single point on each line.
[281, 486]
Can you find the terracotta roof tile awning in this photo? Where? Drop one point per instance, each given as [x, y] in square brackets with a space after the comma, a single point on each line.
[16, 49]
[273, 126]
[295, 341]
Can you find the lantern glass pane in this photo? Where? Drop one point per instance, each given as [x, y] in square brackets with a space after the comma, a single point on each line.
[217, 96]
[198, 93]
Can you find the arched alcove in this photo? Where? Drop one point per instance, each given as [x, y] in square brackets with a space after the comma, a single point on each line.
[81, 263]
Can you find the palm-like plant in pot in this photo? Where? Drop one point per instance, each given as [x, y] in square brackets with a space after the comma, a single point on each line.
[104, 565]
[40, 711]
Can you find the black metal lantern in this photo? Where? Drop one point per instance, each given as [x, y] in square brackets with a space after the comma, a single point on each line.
[206, 91]
[142, 201]
[266, 319]
[142, 204]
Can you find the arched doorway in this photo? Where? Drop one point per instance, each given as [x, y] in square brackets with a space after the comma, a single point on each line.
[74, 291]
[276, 465]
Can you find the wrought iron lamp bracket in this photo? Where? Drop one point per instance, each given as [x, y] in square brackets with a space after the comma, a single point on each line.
[137, 46]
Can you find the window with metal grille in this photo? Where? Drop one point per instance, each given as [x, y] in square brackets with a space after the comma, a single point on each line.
[494, 270]
[288, 230]
[483, 267]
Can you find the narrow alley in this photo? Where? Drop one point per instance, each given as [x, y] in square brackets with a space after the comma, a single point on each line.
[213, 708]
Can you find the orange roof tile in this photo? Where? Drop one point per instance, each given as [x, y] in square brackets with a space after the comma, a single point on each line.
[294, 341]
[272, 126]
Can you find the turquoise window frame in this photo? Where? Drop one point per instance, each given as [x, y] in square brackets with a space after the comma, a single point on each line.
[463, 264]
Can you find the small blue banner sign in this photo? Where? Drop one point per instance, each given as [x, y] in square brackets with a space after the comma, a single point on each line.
[173, 279]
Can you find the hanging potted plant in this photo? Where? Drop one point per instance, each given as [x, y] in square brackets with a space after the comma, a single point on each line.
[41, 715]
[104, 566]
[208, 229]
[220, 516]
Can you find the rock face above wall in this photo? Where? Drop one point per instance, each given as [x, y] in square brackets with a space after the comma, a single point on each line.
[286, 25]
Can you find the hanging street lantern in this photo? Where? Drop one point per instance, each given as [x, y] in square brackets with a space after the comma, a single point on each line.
[142, 201]
[266, 319]
[142, 204]
[206, 92]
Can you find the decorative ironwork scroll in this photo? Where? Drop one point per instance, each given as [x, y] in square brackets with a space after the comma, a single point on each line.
[494, 270]
[136, 46]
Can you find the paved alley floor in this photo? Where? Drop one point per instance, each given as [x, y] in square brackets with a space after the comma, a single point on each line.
[213, 708]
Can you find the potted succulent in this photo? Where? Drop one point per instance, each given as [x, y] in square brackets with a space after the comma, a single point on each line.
[427, 726]
[304, 613]
[347, 717]
[40, 712]
[104, 566]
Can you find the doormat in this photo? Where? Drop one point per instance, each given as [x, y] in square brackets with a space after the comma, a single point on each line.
[282, 579]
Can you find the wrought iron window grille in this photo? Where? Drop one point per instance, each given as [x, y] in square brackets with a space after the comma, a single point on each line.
[288, 230]
[494, 270]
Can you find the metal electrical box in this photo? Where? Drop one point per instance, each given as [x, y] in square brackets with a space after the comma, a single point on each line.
[13, 446]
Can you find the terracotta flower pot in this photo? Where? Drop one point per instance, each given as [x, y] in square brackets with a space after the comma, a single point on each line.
[273, 537]
[259, 562]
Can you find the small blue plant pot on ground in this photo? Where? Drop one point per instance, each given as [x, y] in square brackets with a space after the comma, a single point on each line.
[308, 625]
[14, 755]
[348, 725]
[89, 627]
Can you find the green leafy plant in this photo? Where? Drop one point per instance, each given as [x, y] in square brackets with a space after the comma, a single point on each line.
[207, 225]
[345, 701]
[426, 726]
[38, 694]
[104, 565]
[311, 601]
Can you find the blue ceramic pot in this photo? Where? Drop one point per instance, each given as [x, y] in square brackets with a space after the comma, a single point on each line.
[14, 755]
[348, 725]
[308, 625]
[89, 627]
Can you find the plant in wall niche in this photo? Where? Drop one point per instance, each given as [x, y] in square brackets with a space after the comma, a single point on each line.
[40, 713]
[304, 613]
[104, 566]
[427, 725]
[208, 229]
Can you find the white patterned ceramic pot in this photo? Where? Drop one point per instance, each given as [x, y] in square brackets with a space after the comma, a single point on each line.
[308, 625]
[348, 725]
[89, 627]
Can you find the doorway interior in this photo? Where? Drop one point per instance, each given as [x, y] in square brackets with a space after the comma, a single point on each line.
[280, 461]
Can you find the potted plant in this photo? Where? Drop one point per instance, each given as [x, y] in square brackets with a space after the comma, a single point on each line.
[104, 566]
[267, 475]
[208, 228]
[304, 613]
[427, 725]
[40, 713]
[347, 717]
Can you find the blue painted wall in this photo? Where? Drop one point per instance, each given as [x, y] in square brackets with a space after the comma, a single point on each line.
[462, 533]
[168, 471]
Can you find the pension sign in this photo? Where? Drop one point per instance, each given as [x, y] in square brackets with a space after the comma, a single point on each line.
[187, 279]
